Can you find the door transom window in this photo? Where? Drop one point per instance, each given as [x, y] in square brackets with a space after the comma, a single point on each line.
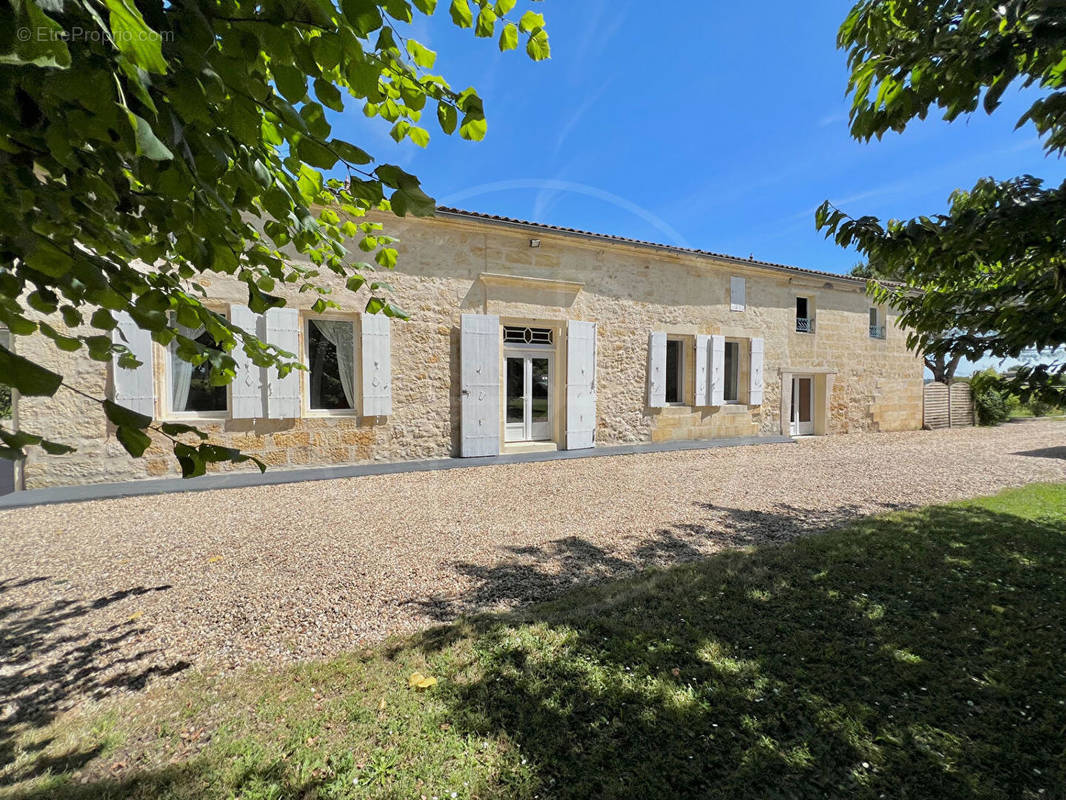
[516, 334]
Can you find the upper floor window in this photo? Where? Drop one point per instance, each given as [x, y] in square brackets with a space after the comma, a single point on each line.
[877, 323]
[804, 315]
[191, 391]
[737, 294]
[675, 370]
[331, 364]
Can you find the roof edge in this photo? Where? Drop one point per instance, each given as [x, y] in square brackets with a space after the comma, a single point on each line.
[522, 224]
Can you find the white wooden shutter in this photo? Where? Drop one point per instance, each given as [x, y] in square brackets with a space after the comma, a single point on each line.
[480, 385]
[376, 366]
[248, 390]
[580, 384]
[283, 394]
[737, 292]
[717, 377]
[134, 388]
[702, 393]
[657, 370]
[755, 370]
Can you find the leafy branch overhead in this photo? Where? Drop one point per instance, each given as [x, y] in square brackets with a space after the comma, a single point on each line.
[992, 269]
[193, 138]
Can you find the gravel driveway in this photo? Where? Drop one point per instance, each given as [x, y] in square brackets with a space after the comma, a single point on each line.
[101, 596]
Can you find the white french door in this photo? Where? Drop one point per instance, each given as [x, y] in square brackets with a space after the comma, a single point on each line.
[802, 418]
[528, 376]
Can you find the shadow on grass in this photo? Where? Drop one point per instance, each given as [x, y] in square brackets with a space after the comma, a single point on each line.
[917, 655]
[190, 780]
[44, 667]
[533, 574]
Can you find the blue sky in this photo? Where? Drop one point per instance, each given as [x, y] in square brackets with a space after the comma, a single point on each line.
[713, 127]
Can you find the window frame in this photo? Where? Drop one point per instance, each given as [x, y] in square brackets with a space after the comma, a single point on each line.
[169, 412]
[741, 369]
[878, 319]
[682, 354]
[742, 282]
[305, 358]
[809, 301]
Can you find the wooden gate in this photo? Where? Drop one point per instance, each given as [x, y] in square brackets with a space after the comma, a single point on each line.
[947, 406]
[960, 404]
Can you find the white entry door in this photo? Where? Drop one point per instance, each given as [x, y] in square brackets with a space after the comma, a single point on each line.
[528, 386]
[802, 406]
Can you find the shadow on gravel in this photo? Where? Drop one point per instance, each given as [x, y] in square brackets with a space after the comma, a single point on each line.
[531, 574]
[1044, 452]
[46, 668]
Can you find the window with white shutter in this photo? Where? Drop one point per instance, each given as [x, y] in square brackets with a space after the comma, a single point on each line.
[248, 389]
[376, 365]
[755, 367]
[657, 370]
[580, 384]
[701, 391]
[134, 388]
[283, 393]
[479, 385]
[717, 370]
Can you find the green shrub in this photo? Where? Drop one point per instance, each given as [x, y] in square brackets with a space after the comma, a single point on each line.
[991, 407]
[986, 379]
[1041, 408]
[990, 399]
[5, 402]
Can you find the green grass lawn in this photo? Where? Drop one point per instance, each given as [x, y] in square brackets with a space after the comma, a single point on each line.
[914, 655]
[1025, 412]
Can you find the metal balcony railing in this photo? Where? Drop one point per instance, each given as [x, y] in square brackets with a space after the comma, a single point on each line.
[877, 331]
[805, 324]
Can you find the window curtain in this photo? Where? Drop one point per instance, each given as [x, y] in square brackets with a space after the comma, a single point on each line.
[341, 334]
[181, 370]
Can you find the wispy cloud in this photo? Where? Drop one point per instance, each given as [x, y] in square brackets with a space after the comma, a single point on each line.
[833, 119]
[597, 34]
[571, 122]
[671, 234]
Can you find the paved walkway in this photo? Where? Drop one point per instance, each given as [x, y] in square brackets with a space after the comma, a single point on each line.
[274, 477]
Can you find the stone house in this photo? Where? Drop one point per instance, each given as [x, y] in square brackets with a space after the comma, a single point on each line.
[521, 337]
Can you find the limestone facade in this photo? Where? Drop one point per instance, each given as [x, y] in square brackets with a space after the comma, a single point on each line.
[459, 263]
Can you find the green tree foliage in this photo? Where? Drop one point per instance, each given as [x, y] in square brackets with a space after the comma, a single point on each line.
[992, 268]
[945, 360]
[192, 136]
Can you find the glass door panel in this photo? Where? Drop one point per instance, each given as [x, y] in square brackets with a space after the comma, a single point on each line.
[539, 405]
[805, 400]
[527, 397]
[515, 399]
[802, 415]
